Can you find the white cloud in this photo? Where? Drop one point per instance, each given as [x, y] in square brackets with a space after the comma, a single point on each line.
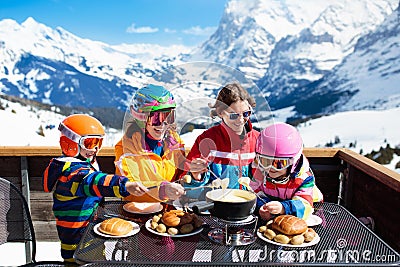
[145, 29]
[197, 30]
[167, 30]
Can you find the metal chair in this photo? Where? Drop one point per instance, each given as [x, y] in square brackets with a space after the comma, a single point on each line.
[16, 222]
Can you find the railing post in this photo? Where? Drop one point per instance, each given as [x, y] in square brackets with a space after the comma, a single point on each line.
[342, 178]
[26, 194]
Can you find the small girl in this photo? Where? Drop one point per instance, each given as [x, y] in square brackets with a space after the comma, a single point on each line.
[285, 179]
[150, 151]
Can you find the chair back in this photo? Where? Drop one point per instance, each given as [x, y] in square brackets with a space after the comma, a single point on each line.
[15, 219]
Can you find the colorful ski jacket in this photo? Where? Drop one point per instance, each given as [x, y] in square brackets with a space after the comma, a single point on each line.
[142, 165]
[230, 155]
[297, 195]
[79, 187]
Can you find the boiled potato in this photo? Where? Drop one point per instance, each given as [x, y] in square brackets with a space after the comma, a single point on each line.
[161, 228]
[156, 218]
[262, 229]
[283, 239]
[297, 240]
[309, 235]
[270, 234]
[153, 225]
[173, 231]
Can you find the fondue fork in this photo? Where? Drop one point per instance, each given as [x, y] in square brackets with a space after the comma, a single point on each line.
[197, 187]
[246, 183]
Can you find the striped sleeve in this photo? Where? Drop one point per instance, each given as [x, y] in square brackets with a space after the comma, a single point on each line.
[103, 184]
[301, 204]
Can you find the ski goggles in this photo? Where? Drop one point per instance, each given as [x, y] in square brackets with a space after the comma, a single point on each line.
[276, 163]
[158, 118]
[235, 116]
[91, 142]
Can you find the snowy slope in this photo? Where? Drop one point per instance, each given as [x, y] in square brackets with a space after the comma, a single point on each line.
[368, 130]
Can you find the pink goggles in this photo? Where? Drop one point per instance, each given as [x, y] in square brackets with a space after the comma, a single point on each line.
[158, 118]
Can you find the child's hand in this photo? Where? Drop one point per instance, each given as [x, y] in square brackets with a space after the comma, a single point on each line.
[264, 213]
[136, 188]
[274, 207]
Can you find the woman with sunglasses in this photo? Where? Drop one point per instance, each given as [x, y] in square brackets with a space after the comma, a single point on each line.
[150, 150]
[227, 149]
[285, 179]
[78, 183]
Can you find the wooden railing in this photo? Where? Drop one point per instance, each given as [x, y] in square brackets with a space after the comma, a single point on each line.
[363, 186]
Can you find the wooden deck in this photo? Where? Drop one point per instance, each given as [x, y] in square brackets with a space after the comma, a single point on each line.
[363, 186]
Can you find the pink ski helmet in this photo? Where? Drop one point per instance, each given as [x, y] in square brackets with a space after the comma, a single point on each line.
[280, 140]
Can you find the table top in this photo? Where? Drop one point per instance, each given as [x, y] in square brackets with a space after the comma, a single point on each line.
[343, 240]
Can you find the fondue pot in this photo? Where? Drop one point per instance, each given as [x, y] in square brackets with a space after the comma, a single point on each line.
[228, 204]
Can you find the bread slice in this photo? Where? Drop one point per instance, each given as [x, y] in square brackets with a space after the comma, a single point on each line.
[142, 207]
[116, 227]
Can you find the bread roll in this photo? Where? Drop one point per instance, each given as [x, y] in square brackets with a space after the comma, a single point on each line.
[170, 218]
[116, 227]
[289, 225]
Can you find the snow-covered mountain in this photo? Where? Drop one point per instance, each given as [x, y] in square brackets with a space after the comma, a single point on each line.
[56, 67]
[316, 57]
[371, 74]
[299, 62]
[287, 48]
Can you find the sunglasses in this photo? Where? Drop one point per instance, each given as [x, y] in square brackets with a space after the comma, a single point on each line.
[91, 142]
[235, 116]
[158, 118]
[275, 163]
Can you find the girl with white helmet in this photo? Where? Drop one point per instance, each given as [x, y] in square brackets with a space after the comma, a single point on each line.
[150, 150]
[285, 179]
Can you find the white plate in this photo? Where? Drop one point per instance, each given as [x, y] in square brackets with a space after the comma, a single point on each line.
[305, 244]
[135, 230]
[158, 209]
[313, 220]
[195, 231]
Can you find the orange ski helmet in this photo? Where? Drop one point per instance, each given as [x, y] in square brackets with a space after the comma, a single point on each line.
[80, 130]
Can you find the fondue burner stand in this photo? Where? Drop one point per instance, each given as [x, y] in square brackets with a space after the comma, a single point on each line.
[235, 233]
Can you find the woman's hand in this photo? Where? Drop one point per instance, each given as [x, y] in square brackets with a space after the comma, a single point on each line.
[197, 167]
[136, 188]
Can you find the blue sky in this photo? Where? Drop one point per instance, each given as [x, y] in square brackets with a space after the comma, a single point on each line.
[164, 22]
